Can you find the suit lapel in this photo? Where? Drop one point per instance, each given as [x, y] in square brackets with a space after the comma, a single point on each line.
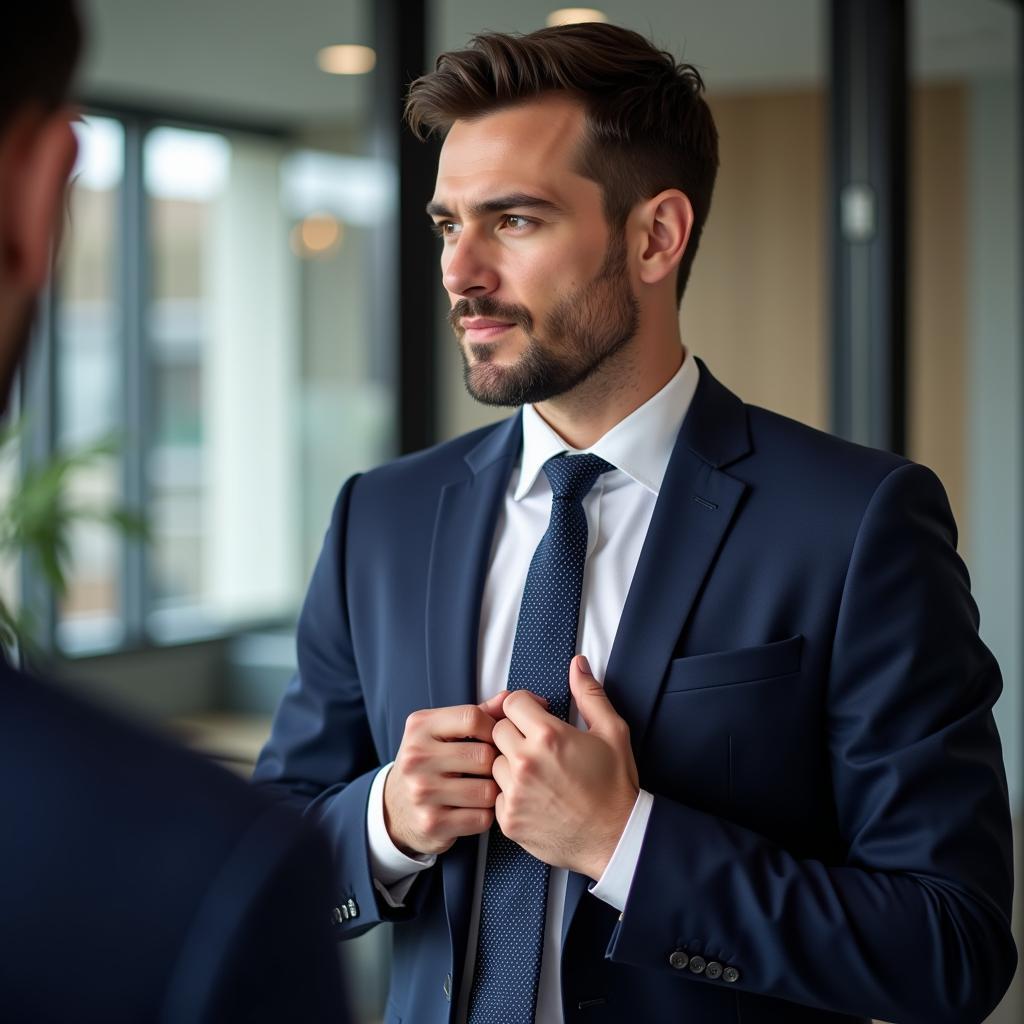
[467, 513]
[695, 506]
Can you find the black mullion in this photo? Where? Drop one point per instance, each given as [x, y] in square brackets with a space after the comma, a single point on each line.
[868, 158]
[405, 300]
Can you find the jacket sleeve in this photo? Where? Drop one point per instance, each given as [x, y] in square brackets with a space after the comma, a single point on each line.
[321, 757]
[913, 924]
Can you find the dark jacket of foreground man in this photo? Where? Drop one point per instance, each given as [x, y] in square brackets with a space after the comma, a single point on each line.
[140, 883]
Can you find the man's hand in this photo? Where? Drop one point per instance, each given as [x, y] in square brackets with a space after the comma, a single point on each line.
[566, 795]
[440, 786]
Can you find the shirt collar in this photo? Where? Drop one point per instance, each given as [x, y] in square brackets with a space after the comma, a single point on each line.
[640, 445]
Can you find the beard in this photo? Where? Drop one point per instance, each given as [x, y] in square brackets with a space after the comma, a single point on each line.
[581, 333]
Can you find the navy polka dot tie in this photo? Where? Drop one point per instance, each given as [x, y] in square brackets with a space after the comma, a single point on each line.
[514, 899]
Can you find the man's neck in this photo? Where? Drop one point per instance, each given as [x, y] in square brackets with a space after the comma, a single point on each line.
[584, 415]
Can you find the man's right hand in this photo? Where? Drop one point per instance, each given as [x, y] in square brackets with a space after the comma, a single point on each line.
[440, 786]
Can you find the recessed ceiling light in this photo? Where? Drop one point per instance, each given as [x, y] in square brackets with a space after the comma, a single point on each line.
[317, 236]
[346, 59]
[575, 16]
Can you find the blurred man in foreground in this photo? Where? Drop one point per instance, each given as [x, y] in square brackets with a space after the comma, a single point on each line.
[137, 882]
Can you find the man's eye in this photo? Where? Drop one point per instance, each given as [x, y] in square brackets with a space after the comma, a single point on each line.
[444, 228]
[517, 223]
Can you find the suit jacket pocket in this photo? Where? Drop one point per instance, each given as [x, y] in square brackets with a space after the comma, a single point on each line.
[726, 668]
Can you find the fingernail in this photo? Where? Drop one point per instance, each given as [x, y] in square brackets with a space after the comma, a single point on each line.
[584, 665]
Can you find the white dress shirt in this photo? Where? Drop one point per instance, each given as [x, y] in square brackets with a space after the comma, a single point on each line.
[618, 509]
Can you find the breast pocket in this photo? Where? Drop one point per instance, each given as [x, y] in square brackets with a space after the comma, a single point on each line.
[709, 722]
[730, 668]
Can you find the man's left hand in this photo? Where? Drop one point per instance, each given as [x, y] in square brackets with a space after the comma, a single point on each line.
[566, 795]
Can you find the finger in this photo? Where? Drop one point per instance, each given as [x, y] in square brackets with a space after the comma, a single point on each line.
[470, 758]
[466, 793]
[506, 737]
[591, 700]
[492, 706]
[464, 721]
[524, 710]
[465, 821]
[502, 772]
[495, 706]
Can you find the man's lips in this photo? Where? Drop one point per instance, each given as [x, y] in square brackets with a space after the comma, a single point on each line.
[482, 328]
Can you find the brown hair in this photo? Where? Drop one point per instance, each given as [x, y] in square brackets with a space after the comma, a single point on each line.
[648, 126]
[39, 45]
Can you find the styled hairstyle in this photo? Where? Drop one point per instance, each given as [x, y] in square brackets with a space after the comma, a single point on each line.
[39, 47]
[648, 127]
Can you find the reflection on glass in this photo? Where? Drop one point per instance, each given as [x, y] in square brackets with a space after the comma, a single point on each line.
[88, 331]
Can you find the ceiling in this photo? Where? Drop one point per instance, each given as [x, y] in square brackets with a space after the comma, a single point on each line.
[254, 60]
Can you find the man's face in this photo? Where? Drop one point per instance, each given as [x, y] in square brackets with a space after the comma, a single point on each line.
[539, 286]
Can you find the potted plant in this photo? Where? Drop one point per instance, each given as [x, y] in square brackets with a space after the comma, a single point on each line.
[37, 518]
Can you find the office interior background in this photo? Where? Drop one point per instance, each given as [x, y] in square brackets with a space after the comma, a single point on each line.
[248, 300]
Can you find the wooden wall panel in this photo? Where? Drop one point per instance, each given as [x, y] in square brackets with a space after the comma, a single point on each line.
[755, 308]
[937, 351]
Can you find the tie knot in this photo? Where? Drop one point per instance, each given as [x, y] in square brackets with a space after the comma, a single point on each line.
[572, 476]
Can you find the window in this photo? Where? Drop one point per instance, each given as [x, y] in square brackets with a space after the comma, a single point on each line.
[207, 315]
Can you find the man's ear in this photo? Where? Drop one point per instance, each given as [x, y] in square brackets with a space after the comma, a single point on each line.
[37, 158]
[667, 220]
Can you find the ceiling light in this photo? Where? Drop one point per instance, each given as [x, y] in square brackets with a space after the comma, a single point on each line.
[317, 236]
[346, 59]
[575, 16]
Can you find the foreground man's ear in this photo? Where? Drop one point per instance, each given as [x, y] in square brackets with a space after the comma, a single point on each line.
[37, 154]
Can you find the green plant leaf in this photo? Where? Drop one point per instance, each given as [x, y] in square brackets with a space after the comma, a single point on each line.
[38, 519]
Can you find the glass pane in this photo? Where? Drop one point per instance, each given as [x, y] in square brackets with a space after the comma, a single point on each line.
[346, 402]
[88, 379]
[262, 390]
[185, 176]
[965, 372]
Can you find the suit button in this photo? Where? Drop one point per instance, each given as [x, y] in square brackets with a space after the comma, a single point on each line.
[336, 915]
[678, 960]
[353, 908]
[713, 970]
[730, 974]
[697, 964]
[447, 987]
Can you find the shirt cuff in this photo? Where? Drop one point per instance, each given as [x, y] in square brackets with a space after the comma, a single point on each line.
[393, 871]
[613, 885]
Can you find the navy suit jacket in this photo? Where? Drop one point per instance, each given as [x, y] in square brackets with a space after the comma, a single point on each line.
[809, 702]
[139, 883]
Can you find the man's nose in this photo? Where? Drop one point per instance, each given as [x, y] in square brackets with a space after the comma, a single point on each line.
[466, 270]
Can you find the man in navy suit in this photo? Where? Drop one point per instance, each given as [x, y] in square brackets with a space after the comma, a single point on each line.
[786, 802]
[137, 882]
